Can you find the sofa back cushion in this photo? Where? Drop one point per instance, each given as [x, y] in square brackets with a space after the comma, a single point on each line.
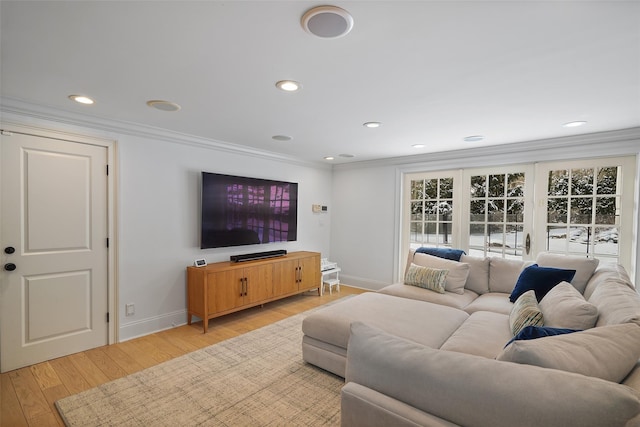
[616, 302]
[583, 266]
[609, 353]
[504, 273]
[494, 393]
[457, 275]
[478, 280]
[565, 307]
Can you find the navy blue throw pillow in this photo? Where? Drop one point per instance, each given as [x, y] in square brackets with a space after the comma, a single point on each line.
[446, 253]
[533, 332]
[540, 279]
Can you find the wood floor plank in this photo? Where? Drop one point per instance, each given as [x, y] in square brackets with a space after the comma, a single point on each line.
[166, 346]
[89, 371]
[69, 375]
[138, 354]
[56, 393]
[122, 359]
[33, 403]
[10, 410]
[45, 375]
[102, 360]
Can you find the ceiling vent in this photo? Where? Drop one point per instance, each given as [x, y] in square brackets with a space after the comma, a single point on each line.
[327, 22]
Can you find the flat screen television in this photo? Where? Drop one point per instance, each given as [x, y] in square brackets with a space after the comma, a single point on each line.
[238, 210]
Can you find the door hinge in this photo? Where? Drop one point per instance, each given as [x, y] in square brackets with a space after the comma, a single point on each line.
[107, 317]
[107, 242]
[107, 170]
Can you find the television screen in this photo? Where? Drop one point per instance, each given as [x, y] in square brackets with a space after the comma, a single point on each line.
[240, 210]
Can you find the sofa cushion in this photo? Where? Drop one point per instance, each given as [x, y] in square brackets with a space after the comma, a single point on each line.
[424, 277]
[423, 322]
[493, 393]
[565, 307]
[533, 332]
[446, 253]
[525, 312]
[540, 279]
[583, 266]
[451, 299]
[608, 352]
[495, 302]
[478, 280]
[482, 334]
[503, 274]
[458, 271]
[617, 303]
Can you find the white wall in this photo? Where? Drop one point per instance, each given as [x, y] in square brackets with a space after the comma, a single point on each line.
[366, 197]
[159, 222]
[158, 196]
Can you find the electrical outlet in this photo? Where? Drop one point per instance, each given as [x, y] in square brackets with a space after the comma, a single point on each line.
[130, 309]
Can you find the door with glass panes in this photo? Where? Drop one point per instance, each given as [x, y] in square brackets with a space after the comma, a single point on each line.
[585, 208]
[496, 215]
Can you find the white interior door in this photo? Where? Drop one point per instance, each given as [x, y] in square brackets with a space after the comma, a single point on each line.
[54, 287]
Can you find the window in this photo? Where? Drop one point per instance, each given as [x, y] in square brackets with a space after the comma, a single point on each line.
[581, 207]
[431, 207]
[585, 212]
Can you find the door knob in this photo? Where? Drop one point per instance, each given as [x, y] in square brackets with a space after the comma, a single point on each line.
[10, 266]
[9, 250]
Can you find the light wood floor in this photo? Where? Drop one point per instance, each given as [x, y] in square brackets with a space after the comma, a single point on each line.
[28, 394]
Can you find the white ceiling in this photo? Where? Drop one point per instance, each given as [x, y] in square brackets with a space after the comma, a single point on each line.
[433, 72]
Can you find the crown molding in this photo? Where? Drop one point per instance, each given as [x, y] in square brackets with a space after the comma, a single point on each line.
[600, 144]
[18, 111]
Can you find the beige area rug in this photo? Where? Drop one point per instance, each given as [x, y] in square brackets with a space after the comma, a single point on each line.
[255, 379]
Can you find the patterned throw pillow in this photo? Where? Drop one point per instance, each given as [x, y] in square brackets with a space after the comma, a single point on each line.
[425, 277]
[525, 312]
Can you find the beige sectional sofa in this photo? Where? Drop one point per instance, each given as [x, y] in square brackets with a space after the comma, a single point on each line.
[413, 356]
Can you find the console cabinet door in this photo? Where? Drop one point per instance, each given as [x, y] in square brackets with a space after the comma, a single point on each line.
[225, 290]
[259, 283]
[285, 277]
[309, 276]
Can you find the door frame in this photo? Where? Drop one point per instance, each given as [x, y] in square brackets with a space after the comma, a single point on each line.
[112, 206]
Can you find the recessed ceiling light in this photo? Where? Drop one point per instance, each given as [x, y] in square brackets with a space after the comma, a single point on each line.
[327, 22]
[418, 145]
[372, 124]
[574, 124]
[163, 105]
[329, 158]
[282, 137]
[81, 99]
[474, 138]
[288, 85]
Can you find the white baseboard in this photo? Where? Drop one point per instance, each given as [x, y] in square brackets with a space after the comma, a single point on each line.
[151, 325]
[362, 283]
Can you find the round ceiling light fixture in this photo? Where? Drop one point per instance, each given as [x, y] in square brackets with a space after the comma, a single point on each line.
[288, 85]
[574, 124]
[163, 105]
[474, 138]
[372, 124]
[81, 99]
[327, 22]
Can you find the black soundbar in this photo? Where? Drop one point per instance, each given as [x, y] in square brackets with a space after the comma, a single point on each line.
[257, 255]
